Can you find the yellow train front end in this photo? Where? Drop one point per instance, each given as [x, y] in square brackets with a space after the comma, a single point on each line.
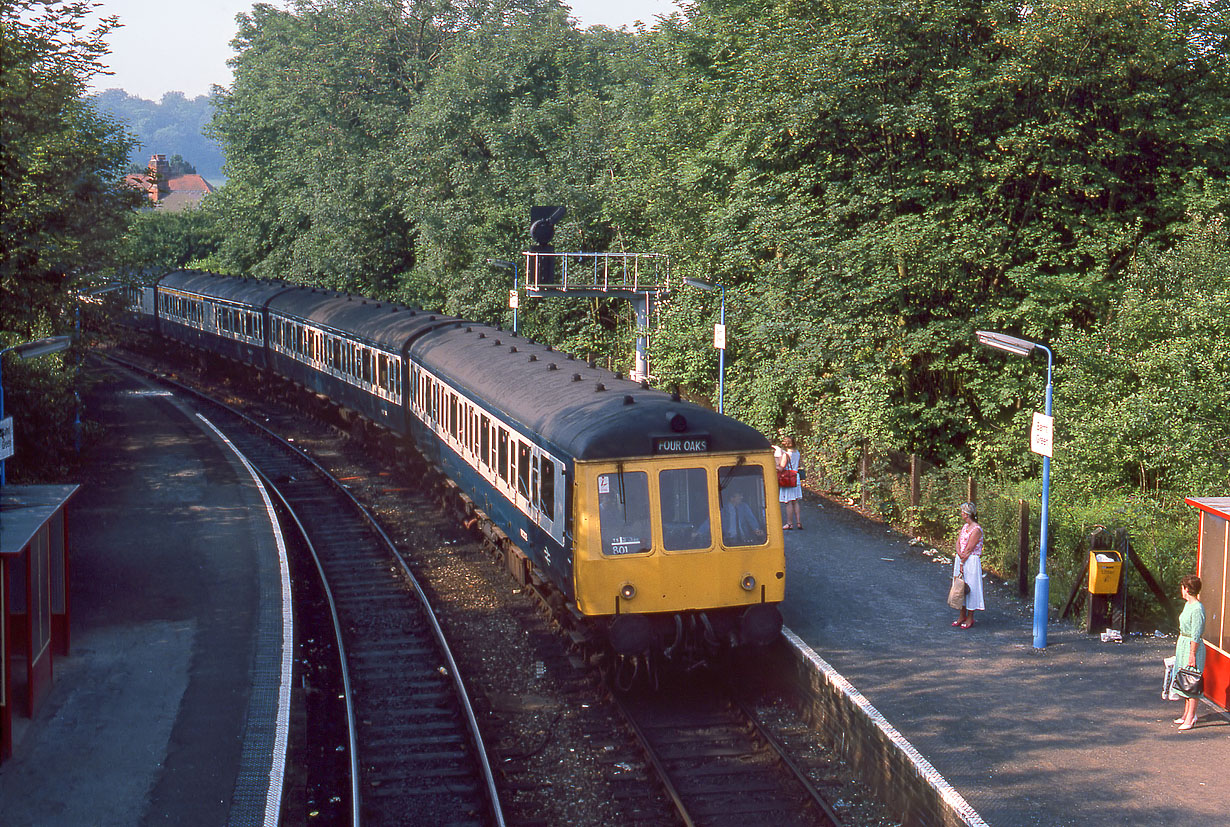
[680, 552]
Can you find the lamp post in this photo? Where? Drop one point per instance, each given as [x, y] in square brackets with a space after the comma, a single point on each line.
[719, 336]
[1042, 586]
[27, 350]
[513, 298]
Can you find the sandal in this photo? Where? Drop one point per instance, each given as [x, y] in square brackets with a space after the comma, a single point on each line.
[958, 623]
[1179, 720]
[1185, 727]
[969, 624]
[787, 527]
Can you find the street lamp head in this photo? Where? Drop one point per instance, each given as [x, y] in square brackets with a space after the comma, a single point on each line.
[703, 285]
[503, 265]
[41, 347]
[1008, 344]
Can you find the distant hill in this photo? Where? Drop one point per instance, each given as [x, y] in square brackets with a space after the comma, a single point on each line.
[172, 126]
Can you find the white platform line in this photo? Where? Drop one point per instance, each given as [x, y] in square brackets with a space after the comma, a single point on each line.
[277, 770]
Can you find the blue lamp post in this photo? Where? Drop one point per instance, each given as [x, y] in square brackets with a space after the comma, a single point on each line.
[27, 350]
[508, 265]
[1042, 585]
[704, 285]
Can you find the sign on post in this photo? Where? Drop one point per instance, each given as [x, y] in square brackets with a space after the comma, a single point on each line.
[6, 437]
[1042, 435]
[719, 336]
[514, 299]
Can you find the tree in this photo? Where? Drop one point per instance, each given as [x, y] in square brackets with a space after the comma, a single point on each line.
[63, 202]
[308, 127]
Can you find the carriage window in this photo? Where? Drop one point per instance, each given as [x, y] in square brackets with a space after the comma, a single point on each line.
[503, 455]
[741, 500]
[523, 468]
[548, 489]
[485, 435]
[452, 415]
[623, 512]
[683, 496]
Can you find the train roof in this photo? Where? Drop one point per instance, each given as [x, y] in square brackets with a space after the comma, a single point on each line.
[590, 412]
[381, 323]
[227, 288]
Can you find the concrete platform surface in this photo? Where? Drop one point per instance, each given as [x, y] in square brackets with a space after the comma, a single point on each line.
[1073, 734]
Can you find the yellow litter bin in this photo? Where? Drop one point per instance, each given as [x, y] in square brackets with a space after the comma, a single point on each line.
[1105, 567]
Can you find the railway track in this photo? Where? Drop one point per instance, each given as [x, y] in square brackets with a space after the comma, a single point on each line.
[718, 764]
[416, 754]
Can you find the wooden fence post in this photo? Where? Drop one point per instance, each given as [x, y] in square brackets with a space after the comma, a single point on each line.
[866, 474]
[915, 491]
[1022, 548]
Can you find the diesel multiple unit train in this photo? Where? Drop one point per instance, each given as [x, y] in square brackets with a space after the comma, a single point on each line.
[655, 520]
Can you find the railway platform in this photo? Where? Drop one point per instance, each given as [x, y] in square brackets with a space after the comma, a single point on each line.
[1073, 734]
[161, 711]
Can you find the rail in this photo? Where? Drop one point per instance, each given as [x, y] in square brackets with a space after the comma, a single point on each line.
[603, 272]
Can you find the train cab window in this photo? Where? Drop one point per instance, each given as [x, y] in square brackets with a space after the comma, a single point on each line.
[503, 466]
[683, 498]
[741, 503]
[547, 490]
[484, 435]
[523, 468]
[623, 512]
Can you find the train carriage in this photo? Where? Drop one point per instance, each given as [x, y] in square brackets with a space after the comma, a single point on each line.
[673, 515]
[222, 314]
[349, 349]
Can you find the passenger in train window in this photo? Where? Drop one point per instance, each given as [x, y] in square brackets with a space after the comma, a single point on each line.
[739, 524]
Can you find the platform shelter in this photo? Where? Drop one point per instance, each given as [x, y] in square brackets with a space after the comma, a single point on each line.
[34, 600]
[1213, 569]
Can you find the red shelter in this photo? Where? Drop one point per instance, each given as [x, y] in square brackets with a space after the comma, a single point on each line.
[1213, 568]
[33, 596]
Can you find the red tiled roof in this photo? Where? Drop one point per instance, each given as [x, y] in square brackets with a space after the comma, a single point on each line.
[188, 183]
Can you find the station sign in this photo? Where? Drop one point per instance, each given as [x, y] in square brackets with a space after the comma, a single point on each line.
[1042, 435]
[696, 444]
[719, 336]
[514, 299]
[6, 437]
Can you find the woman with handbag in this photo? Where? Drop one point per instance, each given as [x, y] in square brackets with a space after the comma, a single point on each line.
[968, 565]
[789, 489]
[1189, 651]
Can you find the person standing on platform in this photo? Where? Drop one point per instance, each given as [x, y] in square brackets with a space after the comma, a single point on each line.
[968, 564]
[1189, 651]
[788, 470]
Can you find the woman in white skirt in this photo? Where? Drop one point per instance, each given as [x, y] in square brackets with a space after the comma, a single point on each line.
[787, 459]
[968, 564]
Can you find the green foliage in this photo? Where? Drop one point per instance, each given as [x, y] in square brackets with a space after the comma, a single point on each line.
[62, 206]
[1145, 390]
[63, 202]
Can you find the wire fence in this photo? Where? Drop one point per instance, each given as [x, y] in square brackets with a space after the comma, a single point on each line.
[921, 499]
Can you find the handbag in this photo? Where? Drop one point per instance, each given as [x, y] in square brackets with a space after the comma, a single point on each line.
[787, 478]
[1188, 680]
[956, 594]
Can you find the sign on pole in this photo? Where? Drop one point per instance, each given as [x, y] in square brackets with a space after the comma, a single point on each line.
[6, 437]
[1042, 436]
[514, 299]
[719, 336]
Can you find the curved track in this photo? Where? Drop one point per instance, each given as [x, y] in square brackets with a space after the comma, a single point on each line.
[416, 754]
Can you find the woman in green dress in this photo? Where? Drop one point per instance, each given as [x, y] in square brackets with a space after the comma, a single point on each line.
[1189, 651]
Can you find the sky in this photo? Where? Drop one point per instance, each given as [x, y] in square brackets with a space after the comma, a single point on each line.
[148, 67]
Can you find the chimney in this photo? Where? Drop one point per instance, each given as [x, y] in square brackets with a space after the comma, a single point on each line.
[161, 171]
